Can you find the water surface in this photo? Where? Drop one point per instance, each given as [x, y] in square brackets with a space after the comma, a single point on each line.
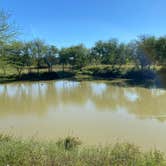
[97, 112]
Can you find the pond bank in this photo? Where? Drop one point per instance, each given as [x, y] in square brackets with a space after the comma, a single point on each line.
[130, 77]
[68, 152]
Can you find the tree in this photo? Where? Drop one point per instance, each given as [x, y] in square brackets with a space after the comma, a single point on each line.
[38, 50]
[51, 57]
[28, 57]
[122, 55]
[7, 29]
[7, 33]
[15, 56]
[97, 52]
[109, 52]
[3, 58]
[148, 45]
[161, 51]
[78, 56]
[64, 57]
[140, 53]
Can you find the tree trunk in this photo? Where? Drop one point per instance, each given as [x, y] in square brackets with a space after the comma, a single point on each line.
[29, 70]
[63, 67]
[4, 71]
[38, 70]
[19, 72]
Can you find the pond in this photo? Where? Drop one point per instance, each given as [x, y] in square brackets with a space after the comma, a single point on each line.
[95, 111]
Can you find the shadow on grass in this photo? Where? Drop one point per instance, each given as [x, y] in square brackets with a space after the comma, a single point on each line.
[44, 76]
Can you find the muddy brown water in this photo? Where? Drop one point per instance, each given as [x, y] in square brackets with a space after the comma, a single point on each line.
[96, 112]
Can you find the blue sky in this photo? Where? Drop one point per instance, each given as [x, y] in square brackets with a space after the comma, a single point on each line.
[69, 22]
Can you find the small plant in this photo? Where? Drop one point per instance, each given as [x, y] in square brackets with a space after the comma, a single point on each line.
[69, 143]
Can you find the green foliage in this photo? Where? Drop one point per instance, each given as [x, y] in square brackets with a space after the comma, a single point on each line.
[38, 51]
[76, 56]
[161, 51]
[15, 56]
[64, 57]
[7, 29]
[109, 52]
[51, 57]
[3, 64]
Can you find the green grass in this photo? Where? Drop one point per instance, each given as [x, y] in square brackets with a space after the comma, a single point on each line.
[68, 152]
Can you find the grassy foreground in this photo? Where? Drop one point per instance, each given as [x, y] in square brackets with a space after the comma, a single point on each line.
[66, 152]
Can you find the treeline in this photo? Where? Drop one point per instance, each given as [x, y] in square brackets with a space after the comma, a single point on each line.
[144, 53]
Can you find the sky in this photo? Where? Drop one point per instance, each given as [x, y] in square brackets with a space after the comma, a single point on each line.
[69, 22]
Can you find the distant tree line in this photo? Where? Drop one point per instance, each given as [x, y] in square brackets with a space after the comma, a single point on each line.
[144, 53]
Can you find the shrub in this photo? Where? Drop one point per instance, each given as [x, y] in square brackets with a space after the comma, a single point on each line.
[69, 143]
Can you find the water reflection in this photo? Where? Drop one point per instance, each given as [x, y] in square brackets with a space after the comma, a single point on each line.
[131, 95]
[39, 98]
[158, 92]
[98, 88]
[66, 85]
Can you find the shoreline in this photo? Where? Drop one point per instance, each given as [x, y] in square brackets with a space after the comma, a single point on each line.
[140, 78]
